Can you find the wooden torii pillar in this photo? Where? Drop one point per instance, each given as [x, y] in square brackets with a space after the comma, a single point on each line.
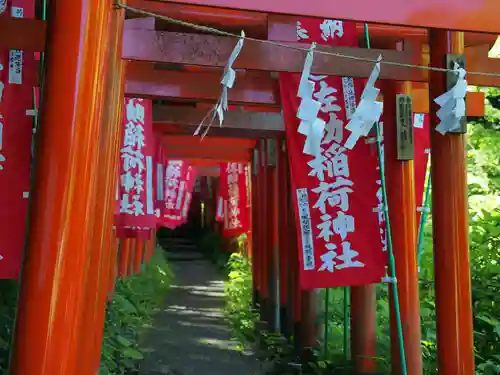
[52, 297]
[450, 225]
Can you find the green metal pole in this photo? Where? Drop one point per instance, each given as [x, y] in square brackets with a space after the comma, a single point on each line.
[325, 339]
[392, 262]
[346, 323]
[423, 220]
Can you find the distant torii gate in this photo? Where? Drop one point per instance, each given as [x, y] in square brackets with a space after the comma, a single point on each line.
[66, 270]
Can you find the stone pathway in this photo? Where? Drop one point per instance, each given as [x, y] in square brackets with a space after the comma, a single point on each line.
[190, 335]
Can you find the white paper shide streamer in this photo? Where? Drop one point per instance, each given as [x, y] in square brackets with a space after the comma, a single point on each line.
[310, 125]
[227, 82]
[367, 112]
[452, 104]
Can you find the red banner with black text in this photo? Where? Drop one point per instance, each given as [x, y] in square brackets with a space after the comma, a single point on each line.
[339, 222]
[18, 77]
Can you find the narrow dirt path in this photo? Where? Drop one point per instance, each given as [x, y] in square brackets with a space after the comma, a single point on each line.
[190, 335]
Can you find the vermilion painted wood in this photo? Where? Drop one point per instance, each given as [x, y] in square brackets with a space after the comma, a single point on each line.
[199, 162]
[96, 284]
[131, 258]
[180, 141]
[477, 60]
[23, 33]
[450, 229]
[139, 255]
[125, 245]
[208, 154]
[51, 303]
[402, 214]
[363, 328]
[210, 50]
[467, 15]
[253, 23]
[186, 119]
[284, 28]
[252, 87]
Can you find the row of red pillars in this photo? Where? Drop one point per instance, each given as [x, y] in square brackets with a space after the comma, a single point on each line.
[66, 272]
[284, 308]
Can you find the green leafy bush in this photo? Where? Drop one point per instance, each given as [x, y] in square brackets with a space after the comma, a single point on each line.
[238, 288]
[8, 301]
[131, 311]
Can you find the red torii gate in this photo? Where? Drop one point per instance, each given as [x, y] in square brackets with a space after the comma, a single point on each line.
[68, 250]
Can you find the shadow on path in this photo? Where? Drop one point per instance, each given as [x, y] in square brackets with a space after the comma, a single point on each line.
[190, 335]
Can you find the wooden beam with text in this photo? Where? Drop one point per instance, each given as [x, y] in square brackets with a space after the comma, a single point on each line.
[210, 50]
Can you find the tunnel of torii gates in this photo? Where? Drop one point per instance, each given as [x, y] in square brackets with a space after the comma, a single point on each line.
[86, 56]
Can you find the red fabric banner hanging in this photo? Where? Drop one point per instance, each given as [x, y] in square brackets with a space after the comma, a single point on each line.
[188, 197]
[159, 181]
[335, 194]
[17, 101]
[179, 182]
[136, 216]
[174, 192]
[421, 128]
[233, 190]
[221, 198]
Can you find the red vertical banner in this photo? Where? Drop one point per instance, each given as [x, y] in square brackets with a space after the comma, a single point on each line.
[174, 192]
[136, 216]
[17, 79]
[233, 187]
[180, 178]
[159, 180]
[221, 197]
[188, 197]
[421, 129]
[334, 193]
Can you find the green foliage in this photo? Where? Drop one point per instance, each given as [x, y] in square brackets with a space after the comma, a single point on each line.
[238, 288]
[484, 200]
[211, 246]
[8, 300]
[129, 313]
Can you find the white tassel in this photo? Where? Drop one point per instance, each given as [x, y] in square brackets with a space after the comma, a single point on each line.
[310, 125]
[452, 104]
[227, 82]
[367, 112]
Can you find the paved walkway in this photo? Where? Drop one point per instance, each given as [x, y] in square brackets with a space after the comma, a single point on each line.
[190, 335]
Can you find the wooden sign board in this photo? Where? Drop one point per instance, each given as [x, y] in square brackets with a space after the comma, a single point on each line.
[404, 127]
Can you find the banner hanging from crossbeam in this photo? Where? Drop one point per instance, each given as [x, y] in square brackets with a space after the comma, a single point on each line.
[136, 216]
[179, 182]
[159, 163]
[334, 188]
[18, 73]
[191, 179]
[232, 202]
[221, 202]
